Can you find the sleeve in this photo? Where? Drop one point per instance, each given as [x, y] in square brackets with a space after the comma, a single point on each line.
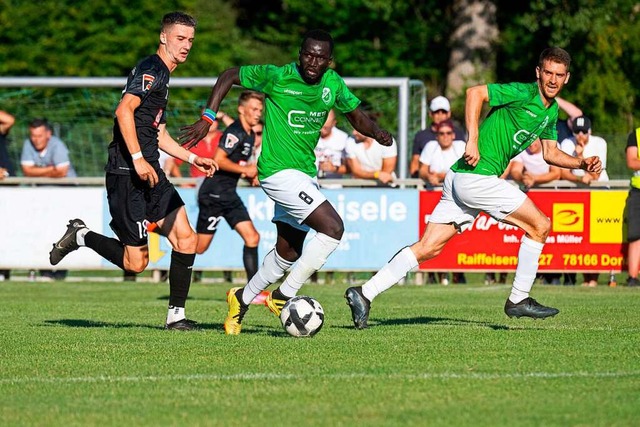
[632, 139]
[551, 131]
[60, 154]
[230, 140]
[25, 157]
[503, 94]
[258, 77]
[350, 149]
[568, 146]
[143, 78]
[519, 157]
[426, 157]
[346, 101]
[390, 151]
[416, 149]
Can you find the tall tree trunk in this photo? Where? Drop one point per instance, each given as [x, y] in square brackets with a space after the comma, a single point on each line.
[473, 59]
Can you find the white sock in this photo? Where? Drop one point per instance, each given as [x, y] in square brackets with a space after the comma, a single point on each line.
[526, 270]
[313, 257]
[272, 269]
[395, 270]
[80, 235]
[175, 314]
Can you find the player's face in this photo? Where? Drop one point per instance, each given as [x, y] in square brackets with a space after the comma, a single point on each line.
[258, 131]
[314, 57]
[177, 41]
[39, 137]
[552, 77]
[251, 111]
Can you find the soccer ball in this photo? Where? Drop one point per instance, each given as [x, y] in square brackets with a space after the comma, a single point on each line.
[302, 316]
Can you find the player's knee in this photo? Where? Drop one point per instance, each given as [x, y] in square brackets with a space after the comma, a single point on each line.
[187, 243]
[425, 251]
[252, 240]
[335, 229]
[542, 228]
[135, 265]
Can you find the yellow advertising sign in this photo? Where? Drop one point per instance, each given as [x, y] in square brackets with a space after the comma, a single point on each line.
[606, 223]
[568, 217]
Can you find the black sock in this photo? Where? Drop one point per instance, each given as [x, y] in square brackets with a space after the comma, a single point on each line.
[250, 260]
[110, 249]
[180, 277]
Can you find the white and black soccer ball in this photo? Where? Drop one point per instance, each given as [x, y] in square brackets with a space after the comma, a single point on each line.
[302, 316]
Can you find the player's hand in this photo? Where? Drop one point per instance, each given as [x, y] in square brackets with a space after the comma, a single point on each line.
[383, 137]
[471, 154]
[250, 171]
[206, 165]
[591, 164]
[145, 171]
[192, 134]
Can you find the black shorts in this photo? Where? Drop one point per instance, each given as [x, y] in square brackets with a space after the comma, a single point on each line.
[632, 214]
[133, 204]
[214, 207]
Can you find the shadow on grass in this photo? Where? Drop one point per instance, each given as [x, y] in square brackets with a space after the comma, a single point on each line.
[85, 323]
[192, 298]
[424, 320]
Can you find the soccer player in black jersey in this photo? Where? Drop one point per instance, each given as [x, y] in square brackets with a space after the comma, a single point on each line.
[138, 191]
[218, 198]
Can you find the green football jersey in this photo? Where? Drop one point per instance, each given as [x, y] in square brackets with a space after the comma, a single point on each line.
[517, 118]
[294, 113]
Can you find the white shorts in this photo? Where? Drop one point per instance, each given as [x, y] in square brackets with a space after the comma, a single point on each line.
[295, 194]
[464, 195]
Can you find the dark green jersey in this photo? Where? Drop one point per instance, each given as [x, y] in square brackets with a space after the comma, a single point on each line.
[517, 118]
[294, 112]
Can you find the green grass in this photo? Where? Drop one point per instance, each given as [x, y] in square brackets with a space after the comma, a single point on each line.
[83, 354]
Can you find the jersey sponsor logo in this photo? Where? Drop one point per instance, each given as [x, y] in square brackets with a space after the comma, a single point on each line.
[147, 81]
[326, 95]
[299, 118]
[292, 92]
[231, 141]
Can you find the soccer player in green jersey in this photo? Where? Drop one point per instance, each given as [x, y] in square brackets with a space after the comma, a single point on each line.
[298, 98]
[520, 114]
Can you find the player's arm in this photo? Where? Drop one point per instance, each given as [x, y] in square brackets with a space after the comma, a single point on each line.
[192, 134]
[556, 157]
[363, 124]
[226, 164]
[633, 162]
[515, 169]
[169, 145]
[45, 171]
[476, 97]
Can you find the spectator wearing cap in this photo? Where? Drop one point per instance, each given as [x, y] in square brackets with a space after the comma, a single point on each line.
[439, 110]
[582, 145]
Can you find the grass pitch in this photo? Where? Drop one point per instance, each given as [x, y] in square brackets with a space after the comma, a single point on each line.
[83, 354]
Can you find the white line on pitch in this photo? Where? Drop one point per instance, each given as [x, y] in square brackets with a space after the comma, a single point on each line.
[267, 376]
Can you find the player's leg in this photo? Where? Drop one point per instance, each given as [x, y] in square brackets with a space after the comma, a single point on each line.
[536, 226]
[633, 236]
[329, 229]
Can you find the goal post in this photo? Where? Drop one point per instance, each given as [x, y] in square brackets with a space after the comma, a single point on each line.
[409, 103]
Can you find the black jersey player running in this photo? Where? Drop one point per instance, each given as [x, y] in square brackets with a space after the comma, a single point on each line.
[137, 189]
[218, 198]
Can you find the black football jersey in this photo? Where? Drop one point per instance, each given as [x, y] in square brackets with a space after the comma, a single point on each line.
[238, 144]
[149, 80]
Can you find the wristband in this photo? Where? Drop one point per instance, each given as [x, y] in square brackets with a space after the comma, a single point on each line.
[137, 155]
[376, 174]
[192, 158]
[209, 115]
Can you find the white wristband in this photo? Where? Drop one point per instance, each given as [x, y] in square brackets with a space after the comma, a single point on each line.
[137, 155]
[192, 158]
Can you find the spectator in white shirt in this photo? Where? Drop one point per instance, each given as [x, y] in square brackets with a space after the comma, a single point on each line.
[369, 160]
[438, 155]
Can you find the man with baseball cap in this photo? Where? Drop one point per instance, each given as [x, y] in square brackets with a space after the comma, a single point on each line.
[582, 145]
[439, 110]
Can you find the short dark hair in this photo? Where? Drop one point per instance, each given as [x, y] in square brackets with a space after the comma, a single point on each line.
[174, 18]
[246, 95]
[555, 54]
[36, 123]
[318, 35]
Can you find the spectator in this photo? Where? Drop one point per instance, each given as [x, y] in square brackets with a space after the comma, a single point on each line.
[6, 165]
[439, 110]
[632, 208]
[330, 151]
[564, 127]
[368, 159]
[45, 155]
[582, 145]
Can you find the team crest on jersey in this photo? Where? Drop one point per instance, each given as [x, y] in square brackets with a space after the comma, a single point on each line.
[147, 81]
[231, 141]
[326, 95]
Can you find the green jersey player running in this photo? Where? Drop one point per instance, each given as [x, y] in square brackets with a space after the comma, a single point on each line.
[298, 98]
[520, 114]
